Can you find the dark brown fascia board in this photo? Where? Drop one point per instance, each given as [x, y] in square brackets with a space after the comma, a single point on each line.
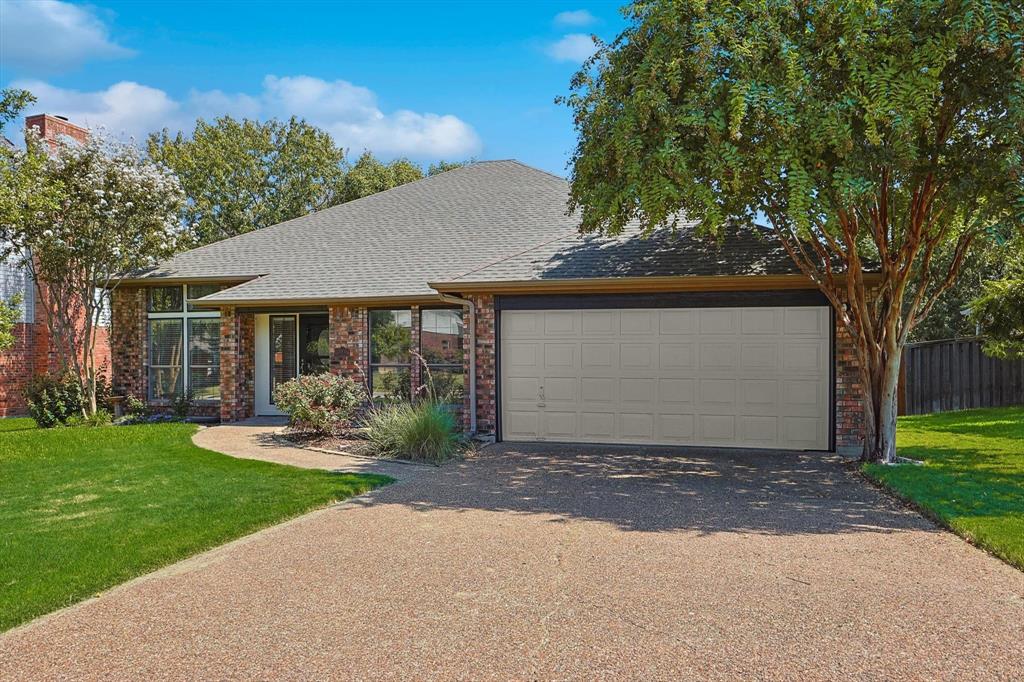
[633, 284]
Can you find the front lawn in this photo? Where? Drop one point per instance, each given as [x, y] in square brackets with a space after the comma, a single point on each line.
[83, 509]
[973, 477]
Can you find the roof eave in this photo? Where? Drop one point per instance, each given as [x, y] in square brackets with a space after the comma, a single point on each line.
[632, 284]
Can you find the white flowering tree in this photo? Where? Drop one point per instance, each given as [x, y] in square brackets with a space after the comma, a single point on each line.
[79, 217]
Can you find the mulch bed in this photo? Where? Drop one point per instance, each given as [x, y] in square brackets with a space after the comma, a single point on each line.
[338, 443]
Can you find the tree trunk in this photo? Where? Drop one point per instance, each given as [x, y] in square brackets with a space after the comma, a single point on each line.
[880, 407]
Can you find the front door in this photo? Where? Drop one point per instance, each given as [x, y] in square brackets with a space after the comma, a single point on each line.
[288, 345]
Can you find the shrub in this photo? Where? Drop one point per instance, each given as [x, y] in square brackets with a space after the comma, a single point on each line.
[322, 403]
[53, 400]
[181, 406]
[424, 431]
[101, 418]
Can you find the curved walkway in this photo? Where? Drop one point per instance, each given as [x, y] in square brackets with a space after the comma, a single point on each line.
[545, 562]
[255, 439]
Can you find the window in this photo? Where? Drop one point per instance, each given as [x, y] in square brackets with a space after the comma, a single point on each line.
[390, 343]
[165, 299]
[165, 359]
[441, 335]
[198, 291]
[183, 346]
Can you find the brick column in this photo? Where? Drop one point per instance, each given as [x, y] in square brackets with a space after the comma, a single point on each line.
[486, 380]
[128, 340]
[349, 343]
[237, 364]
[849, 395]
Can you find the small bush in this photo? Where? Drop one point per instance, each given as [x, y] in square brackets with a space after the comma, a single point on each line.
[181, 406]
[424, 431]
[53, 400]
[101, 418]
[321, 403]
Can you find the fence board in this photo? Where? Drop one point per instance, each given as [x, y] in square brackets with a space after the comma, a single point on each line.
[953, 375]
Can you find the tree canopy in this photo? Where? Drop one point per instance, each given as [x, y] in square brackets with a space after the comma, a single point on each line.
[869, 134]
[79, 217]
[244, 175]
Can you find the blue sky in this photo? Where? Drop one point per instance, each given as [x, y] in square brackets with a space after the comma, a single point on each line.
[420, 79]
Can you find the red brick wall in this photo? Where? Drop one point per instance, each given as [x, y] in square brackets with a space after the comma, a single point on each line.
[33, 354]
[486, 380]
[17, 365]
[237, 364]
[350, 348]
[849, 394]
[128, 342]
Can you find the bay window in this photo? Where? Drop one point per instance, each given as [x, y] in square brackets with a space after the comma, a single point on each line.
[183, 344]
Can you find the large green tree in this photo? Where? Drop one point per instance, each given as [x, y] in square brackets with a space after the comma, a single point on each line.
[245, 175]
[370, 175]
[868, 133]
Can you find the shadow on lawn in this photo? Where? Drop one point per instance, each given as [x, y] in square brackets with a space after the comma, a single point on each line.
[658, 489]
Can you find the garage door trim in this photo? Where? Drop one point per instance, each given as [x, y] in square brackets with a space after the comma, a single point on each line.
[690, 299]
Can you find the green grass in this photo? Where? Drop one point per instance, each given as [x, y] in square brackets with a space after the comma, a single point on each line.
[973, 477]
[83, 509]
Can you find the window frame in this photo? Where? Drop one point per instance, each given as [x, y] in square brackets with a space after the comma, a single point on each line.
[185, 315]
[443, 366]
[388, 365]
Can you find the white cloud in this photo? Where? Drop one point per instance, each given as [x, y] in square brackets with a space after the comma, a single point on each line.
[579, 17]
[46, 36]
[573, 47]
[350, 113]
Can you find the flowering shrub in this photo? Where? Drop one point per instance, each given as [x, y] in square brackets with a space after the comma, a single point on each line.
[322, 403]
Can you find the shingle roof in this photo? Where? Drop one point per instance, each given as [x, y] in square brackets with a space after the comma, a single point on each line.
[664, 253]
[495, 220]
[391, 243]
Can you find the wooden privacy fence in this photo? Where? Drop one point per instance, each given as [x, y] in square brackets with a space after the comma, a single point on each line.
[940, 376]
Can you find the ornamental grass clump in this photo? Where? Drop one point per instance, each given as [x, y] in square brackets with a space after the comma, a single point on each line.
[320, 403]
[424, 431]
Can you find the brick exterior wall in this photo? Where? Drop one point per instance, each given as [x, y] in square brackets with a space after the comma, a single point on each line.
[237, 364]
[17, 365]
[350, 347]
[128, 342]
[849, 395]
[486, 379]
[34, 354]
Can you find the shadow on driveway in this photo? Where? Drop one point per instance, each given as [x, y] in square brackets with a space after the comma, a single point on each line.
[658, 489]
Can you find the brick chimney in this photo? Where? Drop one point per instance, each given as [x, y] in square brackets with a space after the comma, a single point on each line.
[52, 128]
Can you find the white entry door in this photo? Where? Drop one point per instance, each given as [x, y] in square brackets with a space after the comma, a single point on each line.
[726, 377]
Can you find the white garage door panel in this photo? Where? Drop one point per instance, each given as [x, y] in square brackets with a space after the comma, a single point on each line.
[745, 377]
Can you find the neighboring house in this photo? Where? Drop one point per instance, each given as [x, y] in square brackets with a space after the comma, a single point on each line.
[33, 352]
[667, 340]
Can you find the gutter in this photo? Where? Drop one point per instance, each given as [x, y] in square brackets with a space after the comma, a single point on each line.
[449, 298]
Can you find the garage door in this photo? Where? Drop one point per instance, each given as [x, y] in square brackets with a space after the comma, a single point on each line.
[728, 377]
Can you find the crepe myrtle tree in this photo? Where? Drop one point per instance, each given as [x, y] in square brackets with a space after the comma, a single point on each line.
[866, 133]
[79, 217]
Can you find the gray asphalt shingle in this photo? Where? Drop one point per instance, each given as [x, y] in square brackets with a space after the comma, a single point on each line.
[499, 220]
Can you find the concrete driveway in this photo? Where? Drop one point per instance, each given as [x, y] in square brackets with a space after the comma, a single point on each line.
[547, 562]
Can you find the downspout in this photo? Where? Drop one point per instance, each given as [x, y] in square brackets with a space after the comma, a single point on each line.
[448, 298]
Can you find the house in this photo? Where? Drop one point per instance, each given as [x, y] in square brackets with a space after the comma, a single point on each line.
[476, 279]
[34, 351]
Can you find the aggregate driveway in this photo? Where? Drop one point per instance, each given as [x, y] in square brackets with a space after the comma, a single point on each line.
[545, 562]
